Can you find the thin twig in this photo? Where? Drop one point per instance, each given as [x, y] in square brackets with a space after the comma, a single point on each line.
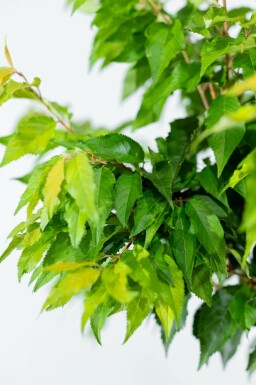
[39, 98]
[199, 87]
[212, 91]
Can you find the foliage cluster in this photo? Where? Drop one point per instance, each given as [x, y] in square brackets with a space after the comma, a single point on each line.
[139, 230]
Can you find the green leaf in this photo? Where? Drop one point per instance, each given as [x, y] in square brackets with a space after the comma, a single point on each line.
[184, 76]
[208, 231]
[184, 245]
[15, 242]
[251, 366]
[78, 4]
[153, 228]
[245, 167]
[163, 44]
[116, 282]
[76, 220]
[9, 90]
[80, 184]
[32, 136]
[128, 190]
[5, 74]
[148, 207]
[214, 326]
[135, 78]
[162, 178]
[178, 141]
[115, 147]
[137, 311]
[211, 184]
[51, 191]
[230, 347]
[31, 195]
[34, 252]
[224, 143]
[69, 286]
[249, 219]
[166, 317]
[68, 266]
[202, 283]
[93, 299]
[104, 196]
[242, 308]
[247, 62]
[100, 315]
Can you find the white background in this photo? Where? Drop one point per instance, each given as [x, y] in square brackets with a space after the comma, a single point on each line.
[49, 349]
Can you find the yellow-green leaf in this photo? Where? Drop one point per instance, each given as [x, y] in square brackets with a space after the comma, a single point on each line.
[80, 183]
[69, 286]
[5, 74]
[166, 317]
[52, 189]
[116, 282]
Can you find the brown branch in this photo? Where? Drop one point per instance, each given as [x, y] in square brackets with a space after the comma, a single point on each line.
[212, 91]
[199, 87]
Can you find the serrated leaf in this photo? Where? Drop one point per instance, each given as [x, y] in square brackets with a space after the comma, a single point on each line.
[15, 242]
[128, 190]
[202, 285]
[245, 167]
[68, 266]
[251, 365]
[52, 190]
[242, 308]
[209, 232]
[92, 300]
[230, 347]
[137, 311]
[214, 326]
[211, 184]
[166, 317]
[224, 143]
[148, 207]
[100, 315]
[76, 220]
[184, 76]
[162, 179]
[31, 195]
[69, 286]
[32, 136]
[104, 195]
[179, 140]
[184, 245]
[80, 184]
[153, 228]
[9, 90]
[246, 61]
[163, 44]
[116, 282]
[32, 255]
[115, 147]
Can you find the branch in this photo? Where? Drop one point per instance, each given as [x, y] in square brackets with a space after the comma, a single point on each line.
[199, 87]
[37, 94]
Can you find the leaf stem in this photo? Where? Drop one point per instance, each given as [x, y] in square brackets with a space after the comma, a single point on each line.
[40, 99]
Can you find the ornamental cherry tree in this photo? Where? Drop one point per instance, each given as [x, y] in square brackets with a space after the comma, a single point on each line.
[137, 230]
